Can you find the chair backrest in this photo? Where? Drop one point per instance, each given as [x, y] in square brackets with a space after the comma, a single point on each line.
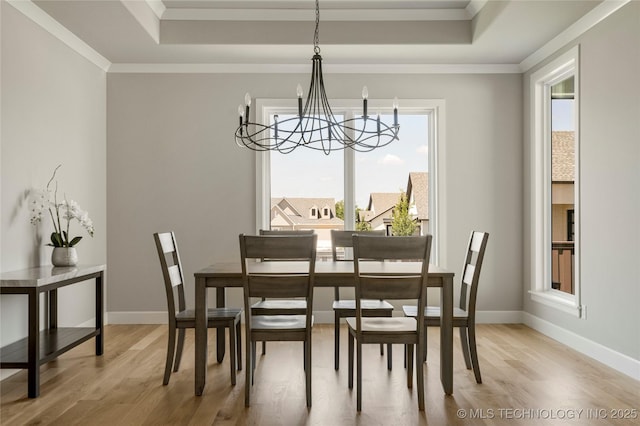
[296, 249]
[344, 240]
[471, 271]
[393, 280]
[286, 232]
[171, 271]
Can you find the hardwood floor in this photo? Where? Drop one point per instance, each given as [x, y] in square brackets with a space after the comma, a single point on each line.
[528, 378]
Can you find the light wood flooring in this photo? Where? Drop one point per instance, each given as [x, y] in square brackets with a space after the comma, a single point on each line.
[529, 379]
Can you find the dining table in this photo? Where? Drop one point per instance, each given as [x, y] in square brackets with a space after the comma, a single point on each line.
[222, 275]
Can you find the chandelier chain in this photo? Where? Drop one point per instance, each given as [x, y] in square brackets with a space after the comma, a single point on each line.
[316, 36]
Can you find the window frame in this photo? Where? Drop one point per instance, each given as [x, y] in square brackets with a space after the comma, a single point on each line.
[540, 83]
[435, 111]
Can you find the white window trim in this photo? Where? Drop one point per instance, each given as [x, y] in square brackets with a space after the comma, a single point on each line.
[540, 235]
[433, 108]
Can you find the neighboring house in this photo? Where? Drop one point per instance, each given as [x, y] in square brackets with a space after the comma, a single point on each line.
[562, 209]
[319, 214]
[379, 209]
[418, 196]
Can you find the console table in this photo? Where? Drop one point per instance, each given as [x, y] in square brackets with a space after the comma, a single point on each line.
[41, 346]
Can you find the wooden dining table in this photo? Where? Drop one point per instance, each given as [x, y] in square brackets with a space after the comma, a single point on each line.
[327, 274]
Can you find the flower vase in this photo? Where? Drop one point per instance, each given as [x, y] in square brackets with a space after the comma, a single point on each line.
[64, 256]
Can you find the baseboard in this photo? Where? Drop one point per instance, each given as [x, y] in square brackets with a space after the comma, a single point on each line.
[149, 317]
[620, 362]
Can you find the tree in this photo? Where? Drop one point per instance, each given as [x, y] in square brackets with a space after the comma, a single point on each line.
[340, 209]
[361, 225]
[401, 221]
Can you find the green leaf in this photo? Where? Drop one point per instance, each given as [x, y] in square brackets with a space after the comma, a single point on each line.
[56, 239]
[75, 241]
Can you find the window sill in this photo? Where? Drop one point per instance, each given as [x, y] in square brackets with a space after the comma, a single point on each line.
[558, 300]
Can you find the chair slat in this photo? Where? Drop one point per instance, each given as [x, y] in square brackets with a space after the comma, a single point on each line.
[275, 286]
[272, 248]
[166, 242]
[476, 242]
[174, 275]
[390, 287]
[469, 271]
[390, 248]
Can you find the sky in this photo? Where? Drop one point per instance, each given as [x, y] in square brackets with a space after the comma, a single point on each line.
[310, 173]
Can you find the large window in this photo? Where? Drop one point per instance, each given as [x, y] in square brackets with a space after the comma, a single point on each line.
[307, 189]
[555, 183]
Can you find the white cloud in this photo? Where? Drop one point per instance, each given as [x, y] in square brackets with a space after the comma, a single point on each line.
[391, 159]
[423, 149]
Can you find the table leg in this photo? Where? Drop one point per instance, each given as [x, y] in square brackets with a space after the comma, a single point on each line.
[53, 308]
[100, 313]
[446, 336]
[33, 355]
[220, 303]
[201, 335]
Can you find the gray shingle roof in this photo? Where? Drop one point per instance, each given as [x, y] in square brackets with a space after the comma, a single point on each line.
[418, 187]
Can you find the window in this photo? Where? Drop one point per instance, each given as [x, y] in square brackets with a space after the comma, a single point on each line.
[555, 184]
[346, 184]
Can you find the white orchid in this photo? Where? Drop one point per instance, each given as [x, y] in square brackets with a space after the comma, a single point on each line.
[45, 200]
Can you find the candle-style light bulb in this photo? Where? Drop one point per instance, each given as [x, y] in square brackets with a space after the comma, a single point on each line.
[299, 92]
[365, 95]
[247, 99]
[275, 124]
[240, 111]
[378, 122]
[395, 112]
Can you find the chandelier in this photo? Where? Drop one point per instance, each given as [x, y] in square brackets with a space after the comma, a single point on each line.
[315, 126]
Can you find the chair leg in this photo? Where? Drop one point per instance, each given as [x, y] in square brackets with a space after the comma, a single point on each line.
[424, 356]
[181, 333]
[474, 352]
[239, 343]
[171, 348]
[307, 372]
[350, 360]
[389, 356]
[336, 341]
[464, 341]
[405, 355]
[253, 359]
[232, 352]
[381, 349]
[359, 377]
[420, 379]
[410, 366]
[264, 348]
[248, 373]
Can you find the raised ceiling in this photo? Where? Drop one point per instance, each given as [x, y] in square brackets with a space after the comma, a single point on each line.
[357, 32]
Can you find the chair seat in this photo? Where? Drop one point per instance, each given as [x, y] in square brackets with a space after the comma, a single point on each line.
[212, 313]
[365, 304]
[432, 312]
[276, 304]
[385, 324]
[279, 322]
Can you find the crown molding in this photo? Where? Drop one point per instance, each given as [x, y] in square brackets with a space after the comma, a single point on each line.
[582, 25]
[40, 17]
[157, 6]
[355, 15]
[304, 68]
[474, 7]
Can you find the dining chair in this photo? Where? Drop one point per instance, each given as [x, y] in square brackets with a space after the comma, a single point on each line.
[300, 253]
[181, 318]
[341, 243]
[280, 306]
[389, 280]
[464, 317]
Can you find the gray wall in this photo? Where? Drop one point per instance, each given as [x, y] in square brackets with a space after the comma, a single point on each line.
[610, 182]
[173, 165]
[53, 112]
